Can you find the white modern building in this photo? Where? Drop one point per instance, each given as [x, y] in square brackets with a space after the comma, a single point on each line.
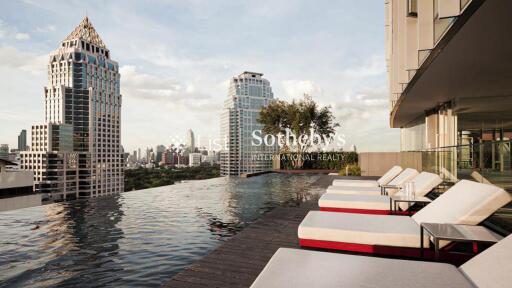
[450, 90]
[194, 159]
[77, 151]
[248, 93]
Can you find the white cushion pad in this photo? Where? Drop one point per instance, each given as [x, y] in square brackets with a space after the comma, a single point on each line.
[493, 267]
[355, 183]
[306, 269]
[366, 229]
[388, 176]
[354, 190]
[372, 202]
[467, 202]
[403, 177]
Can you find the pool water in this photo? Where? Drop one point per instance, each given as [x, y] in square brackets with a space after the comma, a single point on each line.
[136, 239]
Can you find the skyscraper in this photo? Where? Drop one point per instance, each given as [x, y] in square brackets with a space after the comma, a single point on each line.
[248, 93]
[77, 152]
[22, 140]
[191, 141]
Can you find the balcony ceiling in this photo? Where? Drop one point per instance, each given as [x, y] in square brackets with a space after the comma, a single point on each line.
[472, 65]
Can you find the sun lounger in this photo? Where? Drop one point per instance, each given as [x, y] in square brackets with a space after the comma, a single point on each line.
[305, 269]
[376, 204]
[467, 202]
[405, 176]
[385, 179]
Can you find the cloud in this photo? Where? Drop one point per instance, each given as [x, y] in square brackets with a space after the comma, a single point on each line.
[46, 29]
[8, 31]
[362, 104]
[374, 66]
[22, 36]
[13, 58]
[170, 92]
[297, 88]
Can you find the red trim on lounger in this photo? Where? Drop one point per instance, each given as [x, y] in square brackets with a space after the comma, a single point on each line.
[454, 258]
[363, 248]
[364, 211]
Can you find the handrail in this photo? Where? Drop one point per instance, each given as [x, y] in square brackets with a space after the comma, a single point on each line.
[462, 145]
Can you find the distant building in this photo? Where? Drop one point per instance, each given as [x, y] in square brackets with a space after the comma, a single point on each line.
[22, 140]
[248, 93]
[4, 151]
[78, 150]
[191, 141]
[194, 159]
[160, 149]
[210, 159]
[139, 156]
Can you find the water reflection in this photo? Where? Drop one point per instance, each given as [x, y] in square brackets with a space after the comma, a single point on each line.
[74, 242]
[136, 239]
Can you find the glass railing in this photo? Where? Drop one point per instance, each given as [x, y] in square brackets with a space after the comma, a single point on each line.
[487, 162]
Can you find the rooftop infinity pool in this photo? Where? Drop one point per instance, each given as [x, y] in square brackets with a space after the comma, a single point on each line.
[140, 238]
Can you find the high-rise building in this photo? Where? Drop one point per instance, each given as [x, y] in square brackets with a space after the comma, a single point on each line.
[77, 152]
[22, 140]
[160, 149]
[248, 93]
[191, 141]
[450, 93]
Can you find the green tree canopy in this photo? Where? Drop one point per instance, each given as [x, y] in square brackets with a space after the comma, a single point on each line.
[299, 118]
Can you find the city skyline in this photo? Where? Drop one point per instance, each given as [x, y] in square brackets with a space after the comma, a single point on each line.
[183, 77]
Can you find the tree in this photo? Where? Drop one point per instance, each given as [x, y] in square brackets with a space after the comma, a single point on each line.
[294, 124]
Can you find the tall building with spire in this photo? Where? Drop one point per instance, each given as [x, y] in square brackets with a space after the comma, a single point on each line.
[248, 93]
[77, 151]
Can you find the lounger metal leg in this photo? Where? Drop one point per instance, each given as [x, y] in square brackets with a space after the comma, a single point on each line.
[390, 205]
[421, 242]
[436, 243]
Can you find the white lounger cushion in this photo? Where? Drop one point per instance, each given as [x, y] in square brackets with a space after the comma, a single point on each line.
[390, 175]
[424, 183]
[354, 190]
[355, 183]
[467, 202]
[306, 269]
[371, 202]
[385, 179]
[399, 180]
[493, 267]
[361, 228]
[403, 177]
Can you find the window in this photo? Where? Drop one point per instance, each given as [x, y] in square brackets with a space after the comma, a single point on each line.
[412, 8]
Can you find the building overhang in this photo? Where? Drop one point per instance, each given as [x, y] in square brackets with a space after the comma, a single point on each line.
[471, 66]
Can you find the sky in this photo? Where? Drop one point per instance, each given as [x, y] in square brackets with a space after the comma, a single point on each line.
[176, 58]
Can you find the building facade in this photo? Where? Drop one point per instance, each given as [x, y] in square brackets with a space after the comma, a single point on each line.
[77, 152]
[194, 159]
[191, 141]
[22, 140]
[248, 93]
[450, 90]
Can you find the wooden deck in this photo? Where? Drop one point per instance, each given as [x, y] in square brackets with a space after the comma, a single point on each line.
[238, 261]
